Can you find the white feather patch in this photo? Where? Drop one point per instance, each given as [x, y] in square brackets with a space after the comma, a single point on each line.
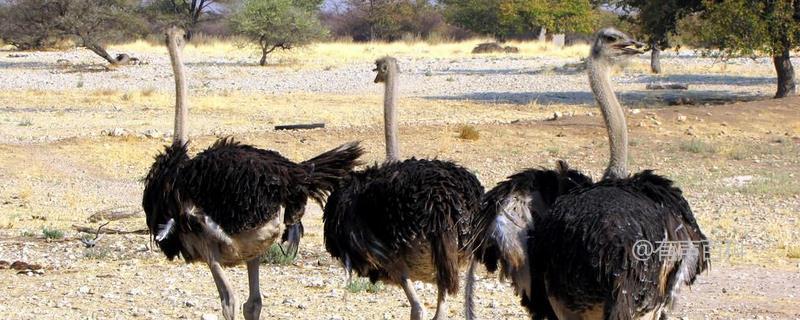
[165, 230]
[214, 230]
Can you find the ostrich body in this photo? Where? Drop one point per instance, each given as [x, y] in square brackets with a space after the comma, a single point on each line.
[224, 206]
[403, 220]
[583, 249]
[507, 215]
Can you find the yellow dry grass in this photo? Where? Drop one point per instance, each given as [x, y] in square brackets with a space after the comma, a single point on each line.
[330, 53]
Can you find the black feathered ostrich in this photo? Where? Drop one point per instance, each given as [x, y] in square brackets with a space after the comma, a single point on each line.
[586, 249]
[223, 207]
[508, 212]
[403, 220]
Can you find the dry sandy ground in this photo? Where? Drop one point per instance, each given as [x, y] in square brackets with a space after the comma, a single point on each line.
[738, 165]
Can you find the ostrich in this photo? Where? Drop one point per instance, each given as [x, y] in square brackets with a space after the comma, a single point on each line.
[588, 248]
[501, 230]
[223, 207]
[403, 220]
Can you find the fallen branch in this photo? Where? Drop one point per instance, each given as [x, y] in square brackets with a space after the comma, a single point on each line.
[667, 86]
[109, 230]
[113, 214]
[305, 126]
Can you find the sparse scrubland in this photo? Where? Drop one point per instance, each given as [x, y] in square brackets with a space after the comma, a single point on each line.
[77, 139]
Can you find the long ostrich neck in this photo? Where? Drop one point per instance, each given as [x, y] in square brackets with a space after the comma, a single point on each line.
[390, 116]
[180, 136]
[614, 118]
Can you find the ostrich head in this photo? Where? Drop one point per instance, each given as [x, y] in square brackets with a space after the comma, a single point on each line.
[386, 67]
[613, 45]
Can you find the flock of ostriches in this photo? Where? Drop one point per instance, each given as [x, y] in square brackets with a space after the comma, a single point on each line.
[565, 243]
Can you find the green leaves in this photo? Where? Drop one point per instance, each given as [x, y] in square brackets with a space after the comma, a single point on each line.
[274, 24]
[748, 28]
[503, 18]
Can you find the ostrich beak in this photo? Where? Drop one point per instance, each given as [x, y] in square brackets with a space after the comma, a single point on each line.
[630, 47]
[378, 77]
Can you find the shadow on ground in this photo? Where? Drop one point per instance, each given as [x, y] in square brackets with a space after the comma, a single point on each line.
[641, 99]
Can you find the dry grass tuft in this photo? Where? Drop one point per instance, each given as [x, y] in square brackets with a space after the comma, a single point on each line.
[148, 92]
[793, 252]
[106, 92]
[468, 132]
[698, 146]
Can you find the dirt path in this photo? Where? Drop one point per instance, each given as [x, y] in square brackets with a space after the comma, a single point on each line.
[57, 184]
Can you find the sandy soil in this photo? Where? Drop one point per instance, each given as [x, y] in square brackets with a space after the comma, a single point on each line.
[737, 164]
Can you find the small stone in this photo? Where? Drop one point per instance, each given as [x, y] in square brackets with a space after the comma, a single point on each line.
[84, 290]
[190, 303]
[208, 317]
[116, 132]
[681, 118]
[636, 111]
[152, 133]
[557, 115]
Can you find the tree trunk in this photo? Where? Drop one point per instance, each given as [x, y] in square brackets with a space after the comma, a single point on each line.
[783, 65]
[263, 61]
[655, 59]
[100, 51]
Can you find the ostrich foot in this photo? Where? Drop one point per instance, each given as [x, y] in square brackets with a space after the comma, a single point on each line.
[441, 306]
[252, 308]
[417, 312]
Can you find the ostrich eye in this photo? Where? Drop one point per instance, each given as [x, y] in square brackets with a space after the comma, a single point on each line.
[611, 38]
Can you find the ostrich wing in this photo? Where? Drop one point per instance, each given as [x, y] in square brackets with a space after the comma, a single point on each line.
[241, 187]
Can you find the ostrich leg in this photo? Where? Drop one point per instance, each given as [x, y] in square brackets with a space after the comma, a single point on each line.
[417, 310]
[252, 308]
[223, 286]
[441, 306]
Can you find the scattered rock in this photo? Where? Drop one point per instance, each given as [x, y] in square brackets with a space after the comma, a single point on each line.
[636, 111]
[152, 133]
[190, 303]
[737, 181]
[208, 317]
[681, 118]
[116, 132]
[494, 47]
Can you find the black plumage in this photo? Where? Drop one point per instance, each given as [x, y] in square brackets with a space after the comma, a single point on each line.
[381, 217]
[508, 212]
[237, 186]
[587, 250]
[584, 247]
[222, 207]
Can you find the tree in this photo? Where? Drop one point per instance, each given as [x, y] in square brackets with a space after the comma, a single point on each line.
[95, 24]
[274, 24]
[92, 24]
[29, 24]
[657, 20]
[187, 14]
[753, 27]
[504, 18]
[366, 20]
